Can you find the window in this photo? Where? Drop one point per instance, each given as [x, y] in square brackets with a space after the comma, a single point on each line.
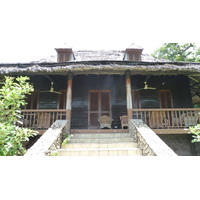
[64, 57]
[131, 57]
[46, 100]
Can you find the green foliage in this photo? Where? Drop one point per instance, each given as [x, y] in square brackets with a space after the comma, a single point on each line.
[196, 106]
[196, 133]
[178, 52]
[67, 139]
[54, 153]
[12, 97]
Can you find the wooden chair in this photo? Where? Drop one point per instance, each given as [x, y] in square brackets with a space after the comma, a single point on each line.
[179, 121]
[124, 121]
[191, 119]
[105, 121]
[187, 119]
[158, 119]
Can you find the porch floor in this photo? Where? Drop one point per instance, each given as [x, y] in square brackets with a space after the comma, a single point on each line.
[171, 131]
[157, 131]
[99, 131]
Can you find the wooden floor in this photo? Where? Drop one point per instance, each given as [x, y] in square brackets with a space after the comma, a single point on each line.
[171, 131]
[99, 131]
[157, 131]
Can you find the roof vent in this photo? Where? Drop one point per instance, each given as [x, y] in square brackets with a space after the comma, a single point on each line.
[133, 53]
[64, 54]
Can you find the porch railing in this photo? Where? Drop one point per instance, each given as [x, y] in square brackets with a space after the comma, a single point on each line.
[39, 119]
[168, 118]
[178, 118]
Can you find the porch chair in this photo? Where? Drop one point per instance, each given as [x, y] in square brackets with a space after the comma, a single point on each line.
[158, 119]
[187, 119]
[124, 121]
[105, 121]
[179, 121]
[191, 119]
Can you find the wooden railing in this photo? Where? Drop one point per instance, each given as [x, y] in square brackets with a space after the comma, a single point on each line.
[168, 118]
[39, 119]
[179, 118]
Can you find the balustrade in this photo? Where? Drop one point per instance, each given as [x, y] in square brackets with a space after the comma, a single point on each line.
[41, 119]
[168, 118]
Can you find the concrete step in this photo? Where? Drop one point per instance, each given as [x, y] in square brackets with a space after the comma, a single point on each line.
[100, 135]
[101, 140]
[100, 145]
[101, 152]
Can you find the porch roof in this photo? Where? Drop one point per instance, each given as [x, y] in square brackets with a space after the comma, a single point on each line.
[102, 67]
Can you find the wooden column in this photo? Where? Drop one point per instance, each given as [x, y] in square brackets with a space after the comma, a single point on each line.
[128, 95]
[69, 96]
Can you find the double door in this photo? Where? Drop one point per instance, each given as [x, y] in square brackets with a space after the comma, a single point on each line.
[99, 104]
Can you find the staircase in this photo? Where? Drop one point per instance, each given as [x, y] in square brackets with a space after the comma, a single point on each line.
[100, 144]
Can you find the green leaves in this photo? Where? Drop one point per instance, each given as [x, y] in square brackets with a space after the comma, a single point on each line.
[178, 52]
[67, 138]
[196, 133]
[12, 96]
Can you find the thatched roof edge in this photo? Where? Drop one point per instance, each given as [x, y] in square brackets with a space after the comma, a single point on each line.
[101, 67]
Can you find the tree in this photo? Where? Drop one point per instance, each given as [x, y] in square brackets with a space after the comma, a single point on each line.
[12, 97]
[188, 52]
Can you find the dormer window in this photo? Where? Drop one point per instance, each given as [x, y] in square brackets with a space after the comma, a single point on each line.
[133, 53]
[65, 55]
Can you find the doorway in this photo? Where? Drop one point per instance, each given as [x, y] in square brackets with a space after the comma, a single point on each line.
[99, 104]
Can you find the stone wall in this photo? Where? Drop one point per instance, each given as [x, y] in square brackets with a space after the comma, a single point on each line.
[51, 140]
[147, 140]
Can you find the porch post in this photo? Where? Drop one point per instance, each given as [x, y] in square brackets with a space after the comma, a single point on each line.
[128, 94]
[69, 96]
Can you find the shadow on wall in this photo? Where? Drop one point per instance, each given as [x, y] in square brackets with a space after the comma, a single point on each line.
[32, 141]
[181, 144]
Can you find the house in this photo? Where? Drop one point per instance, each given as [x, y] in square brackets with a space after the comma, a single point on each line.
[84, 85]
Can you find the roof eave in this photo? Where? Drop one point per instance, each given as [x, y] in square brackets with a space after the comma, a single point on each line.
[102, 67]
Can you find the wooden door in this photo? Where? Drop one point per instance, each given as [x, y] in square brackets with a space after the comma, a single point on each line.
[136, 99]
[165, 99]
[62, 99]
[166, 102]
[99, 104]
